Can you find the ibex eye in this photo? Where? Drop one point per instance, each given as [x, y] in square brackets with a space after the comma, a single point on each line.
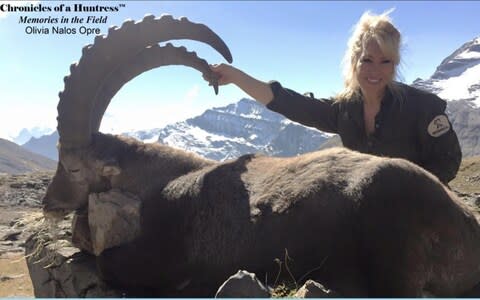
[74, 171]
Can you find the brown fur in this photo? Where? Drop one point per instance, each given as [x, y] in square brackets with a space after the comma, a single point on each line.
[142, 167]
[374, 226]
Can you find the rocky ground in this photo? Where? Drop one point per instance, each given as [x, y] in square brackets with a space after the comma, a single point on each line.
[20, 199]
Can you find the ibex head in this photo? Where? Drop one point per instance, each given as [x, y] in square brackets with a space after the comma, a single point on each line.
[105, 66]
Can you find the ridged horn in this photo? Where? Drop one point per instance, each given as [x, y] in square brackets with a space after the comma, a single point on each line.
[107, 54]
[149, 58]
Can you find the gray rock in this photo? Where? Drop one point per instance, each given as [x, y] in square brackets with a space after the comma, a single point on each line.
[6, 243]
[81, 237]
[7, 277]
[11, 235]
[59, 270]
[313, 289]
[60, 259]
[242, 285]
[113, 218]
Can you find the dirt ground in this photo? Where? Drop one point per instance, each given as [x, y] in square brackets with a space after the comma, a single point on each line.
[14, 278]
[20, 197]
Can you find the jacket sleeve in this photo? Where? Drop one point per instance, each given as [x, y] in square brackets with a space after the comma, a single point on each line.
[440, 149]
[318, 113]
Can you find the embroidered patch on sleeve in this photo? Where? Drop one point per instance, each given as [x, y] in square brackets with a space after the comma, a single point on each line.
[438, 126]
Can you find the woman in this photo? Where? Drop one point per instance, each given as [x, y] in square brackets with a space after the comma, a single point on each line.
[373, 114]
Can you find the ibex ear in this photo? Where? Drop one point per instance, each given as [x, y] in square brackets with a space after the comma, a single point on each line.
[111, 169]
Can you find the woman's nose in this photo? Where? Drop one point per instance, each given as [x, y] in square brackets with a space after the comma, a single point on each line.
[374, 68]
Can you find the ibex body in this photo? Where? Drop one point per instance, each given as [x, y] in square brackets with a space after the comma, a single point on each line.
[360, 224]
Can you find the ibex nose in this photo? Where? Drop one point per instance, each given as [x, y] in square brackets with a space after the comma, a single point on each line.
[54, 213]
[52, 208]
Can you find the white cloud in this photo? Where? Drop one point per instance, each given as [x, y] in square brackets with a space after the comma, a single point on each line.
[4, 14]
[120, 119]
[192, 94]
[17, 116]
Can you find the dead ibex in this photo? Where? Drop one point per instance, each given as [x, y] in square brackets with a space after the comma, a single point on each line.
[362, 225]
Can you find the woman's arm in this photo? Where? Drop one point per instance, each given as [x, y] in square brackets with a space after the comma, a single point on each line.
[318, 113]
[255, 88]
[441, 152]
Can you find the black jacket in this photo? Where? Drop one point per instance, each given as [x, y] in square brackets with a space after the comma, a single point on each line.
[416, 129]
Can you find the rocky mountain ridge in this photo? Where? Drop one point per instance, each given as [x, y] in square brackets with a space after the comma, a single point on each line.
[26, 134]
[458, 75]
[457, 80]
[241, 128]
[15, 159]
[45, 145]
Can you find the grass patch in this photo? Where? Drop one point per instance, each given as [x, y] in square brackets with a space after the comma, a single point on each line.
[468, 177]
[284, 290]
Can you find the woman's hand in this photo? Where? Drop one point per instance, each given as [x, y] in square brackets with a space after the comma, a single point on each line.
[225, 73]
[255, 88]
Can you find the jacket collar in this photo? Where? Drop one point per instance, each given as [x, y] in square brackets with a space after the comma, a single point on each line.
[356, 108]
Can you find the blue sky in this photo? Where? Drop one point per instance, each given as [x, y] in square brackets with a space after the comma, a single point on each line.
[299, 43]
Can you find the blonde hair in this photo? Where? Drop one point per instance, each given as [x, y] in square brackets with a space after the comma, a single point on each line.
[380, 29]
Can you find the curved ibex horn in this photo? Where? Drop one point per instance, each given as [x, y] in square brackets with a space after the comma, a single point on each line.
[108, 53]
[149, 58]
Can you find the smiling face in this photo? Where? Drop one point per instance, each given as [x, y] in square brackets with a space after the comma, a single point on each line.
[374, 70]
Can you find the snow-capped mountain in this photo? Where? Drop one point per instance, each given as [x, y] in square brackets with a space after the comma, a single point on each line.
[457, 80]
[239, 128]
[26, 134]
[221, 133]
[458, 76]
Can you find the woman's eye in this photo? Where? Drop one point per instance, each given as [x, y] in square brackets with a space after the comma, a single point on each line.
[386, 61]
[366, 60]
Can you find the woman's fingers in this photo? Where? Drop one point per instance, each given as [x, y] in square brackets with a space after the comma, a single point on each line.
[221, 71]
